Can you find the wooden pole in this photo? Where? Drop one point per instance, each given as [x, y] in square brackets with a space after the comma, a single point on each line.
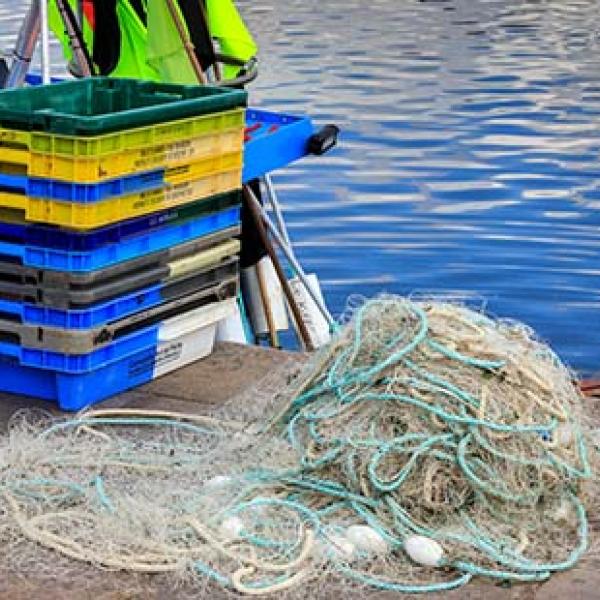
[260, 276]
[266, 302]
[287, 290]
[185, 40]
[296, 267]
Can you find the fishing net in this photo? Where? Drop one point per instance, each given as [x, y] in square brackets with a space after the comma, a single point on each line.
[427, 444]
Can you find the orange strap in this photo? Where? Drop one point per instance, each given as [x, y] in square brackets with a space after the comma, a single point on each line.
[88, 11]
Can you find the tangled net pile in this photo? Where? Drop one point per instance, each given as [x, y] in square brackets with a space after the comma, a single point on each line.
[426, 445]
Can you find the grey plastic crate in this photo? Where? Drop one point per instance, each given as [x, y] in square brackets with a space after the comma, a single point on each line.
[70, 290]
[83, 341]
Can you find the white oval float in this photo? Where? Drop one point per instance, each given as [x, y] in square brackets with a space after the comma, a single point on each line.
[366, 539]
[231, 528]
[218, 481]
[423, 550]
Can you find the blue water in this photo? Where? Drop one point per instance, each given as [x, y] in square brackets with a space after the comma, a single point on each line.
[469, 160]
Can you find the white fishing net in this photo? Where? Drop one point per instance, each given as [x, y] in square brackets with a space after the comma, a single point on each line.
[426, 445]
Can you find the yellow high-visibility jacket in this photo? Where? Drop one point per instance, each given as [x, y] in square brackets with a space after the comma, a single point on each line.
[154, 50]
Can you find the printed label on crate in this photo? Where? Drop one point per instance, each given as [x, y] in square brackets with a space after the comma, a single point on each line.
[186, 150]
[174, 354]
[167, 354]
[98, 214]
[166, 153]
[169, 196]
[179, 193]
[157, 361]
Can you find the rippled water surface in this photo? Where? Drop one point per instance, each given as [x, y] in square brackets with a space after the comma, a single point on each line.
[469, 162]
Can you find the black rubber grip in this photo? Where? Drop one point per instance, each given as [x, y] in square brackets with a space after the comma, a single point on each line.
[324, 140]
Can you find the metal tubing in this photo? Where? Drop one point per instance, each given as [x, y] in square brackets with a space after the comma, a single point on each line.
[277, 210]
[80, 15]
[258, 215]
[25, 46]
[80, 52]
[45, 42]
[297, 268]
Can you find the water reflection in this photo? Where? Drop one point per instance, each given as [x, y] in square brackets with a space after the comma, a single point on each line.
[469, 156]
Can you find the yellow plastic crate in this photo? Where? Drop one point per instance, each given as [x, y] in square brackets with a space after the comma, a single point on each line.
[94, 159]
[192, 171]
[185, 184]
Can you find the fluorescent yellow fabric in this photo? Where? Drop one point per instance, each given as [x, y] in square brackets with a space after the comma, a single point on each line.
[164, 49]
[132, 60]
[225, 24]
[157, 52]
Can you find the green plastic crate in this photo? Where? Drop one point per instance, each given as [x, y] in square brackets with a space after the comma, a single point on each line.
[88, 107]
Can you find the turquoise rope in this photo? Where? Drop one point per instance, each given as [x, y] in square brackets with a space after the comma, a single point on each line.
[344, 387]
[209, 572]
[405, 588]
[341, 386]
[104, 499]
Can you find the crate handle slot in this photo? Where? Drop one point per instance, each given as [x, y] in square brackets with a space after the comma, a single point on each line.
[9, 336]
[9, 309]
[16, 250]
[10, 183]
[14, 161]
[12, 350]
[13, 145]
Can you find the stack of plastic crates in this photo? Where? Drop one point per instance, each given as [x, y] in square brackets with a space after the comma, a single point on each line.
[119, 217]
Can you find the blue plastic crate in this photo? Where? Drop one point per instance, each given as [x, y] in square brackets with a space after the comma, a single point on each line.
[108, 311]
[127, 249]
[84, 193]
[98, 314]
[273, 140]
[72, 363]
[141, 357]
[72, 392]
[121, 347]
[50, 236]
